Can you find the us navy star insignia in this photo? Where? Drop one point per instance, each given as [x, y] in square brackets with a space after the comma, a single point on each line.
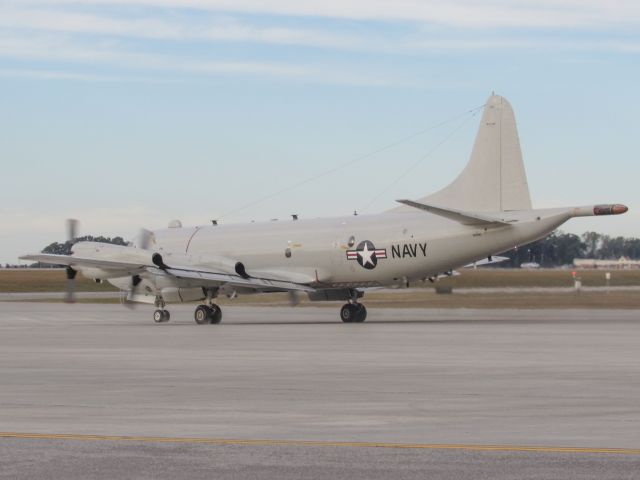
[366, 254]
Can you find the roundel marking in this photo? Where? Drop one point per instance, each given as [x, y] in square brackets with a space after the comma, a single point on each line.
[366, 254]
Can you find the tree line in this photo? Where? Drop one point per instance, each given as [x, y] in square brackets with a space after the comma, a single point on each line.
[561, 248]
[65, 248]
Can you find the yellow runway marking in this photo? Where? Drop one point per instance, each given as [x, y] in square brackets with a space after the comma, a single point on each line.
[313, 443]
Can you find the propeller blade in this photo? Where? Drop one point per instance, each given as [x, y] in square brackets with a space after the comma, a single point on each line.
[70, 296]
[133, 287]
[72, 229]
[294, 298]
[144, 239]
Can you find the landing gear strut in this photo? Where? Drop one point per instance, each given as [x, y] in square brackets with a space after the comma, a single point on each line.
[160, 315]
[353, 312]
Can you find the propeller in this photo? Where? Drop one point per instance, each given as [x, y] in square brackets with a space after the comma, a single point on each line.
[70, 296]
[294, 298]
[72, 229]
[72, 233]
[143, 240]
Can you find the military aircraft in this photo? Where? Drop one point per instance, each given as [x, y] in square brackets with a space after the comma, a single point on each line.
[484, 211]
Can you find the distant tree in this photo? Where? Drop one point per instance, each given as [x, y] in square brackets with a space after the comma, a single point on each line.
[557, 249]
[632, 248]
[568, 246]
[592, 242]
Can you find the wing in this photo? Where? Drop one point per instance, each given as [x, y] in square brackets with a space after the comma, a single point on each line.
[73, 261]
[205, 277]
[113, 261]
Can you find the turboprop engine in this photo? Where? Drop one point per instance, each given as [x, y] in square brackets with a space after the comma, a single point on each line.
[111, 253]
[223, 264]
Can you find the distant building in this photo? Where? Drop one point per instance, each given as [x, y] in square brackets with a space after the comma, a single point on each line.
[530, 265]
[622, 263]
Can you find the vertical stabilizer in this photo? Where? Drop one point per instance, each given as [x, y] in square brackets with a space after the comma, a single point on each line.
[494, 179]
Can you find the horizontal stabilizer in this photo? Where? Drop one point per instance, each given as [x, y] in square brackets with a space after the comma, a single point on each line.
[465, 218]
[492, 260]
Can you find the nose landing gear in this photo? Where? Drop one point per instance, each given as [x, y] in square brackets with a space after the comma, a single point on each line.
[161, 316]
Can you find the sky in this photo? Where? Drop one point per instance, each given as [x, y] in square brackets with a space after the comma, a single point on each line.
[128, 114]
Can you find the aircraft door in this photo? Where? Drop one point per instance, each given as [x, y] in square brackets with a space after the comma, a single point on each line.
[344, 241]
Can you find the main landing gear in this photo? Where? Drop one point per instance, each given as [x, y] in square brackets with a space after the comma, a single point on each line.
[353, 312]
[207, 314]
[204, 314]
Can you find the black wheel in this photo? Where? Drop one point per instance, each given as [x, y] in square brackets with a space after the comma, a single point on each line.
[166, 316]
[158, 316]
[202, 315]
[216, 313]
[348, 313]
[361, 313]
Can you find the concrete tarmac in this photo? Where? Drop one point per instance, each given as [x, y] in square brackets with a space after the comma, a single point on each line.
[419, 378]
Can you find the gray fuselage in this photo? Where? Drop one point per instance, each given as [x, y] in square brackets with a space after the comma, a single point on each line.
[408, 246]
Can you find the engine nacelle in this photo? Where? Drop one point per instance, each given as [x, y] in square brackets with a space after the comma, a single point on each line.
[214, 262]
[115, 253]
[98, 273]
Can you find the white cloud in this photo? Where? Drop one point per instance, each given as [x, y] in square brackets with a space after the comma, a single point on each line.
[158, 25]
[94, 32]
[66, 75]
[59, 48]
[50, 48]
[217, 29]
[458, 13]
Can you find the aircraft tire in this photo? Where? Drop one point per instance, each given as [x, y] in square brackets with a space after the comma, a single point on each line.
[348, 313]
[161, 316]
[215, 314]
[202, 315]
[361, 313]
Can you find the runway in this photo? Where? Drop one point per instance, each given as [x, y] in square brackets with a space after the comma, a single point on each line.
[408, 394]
